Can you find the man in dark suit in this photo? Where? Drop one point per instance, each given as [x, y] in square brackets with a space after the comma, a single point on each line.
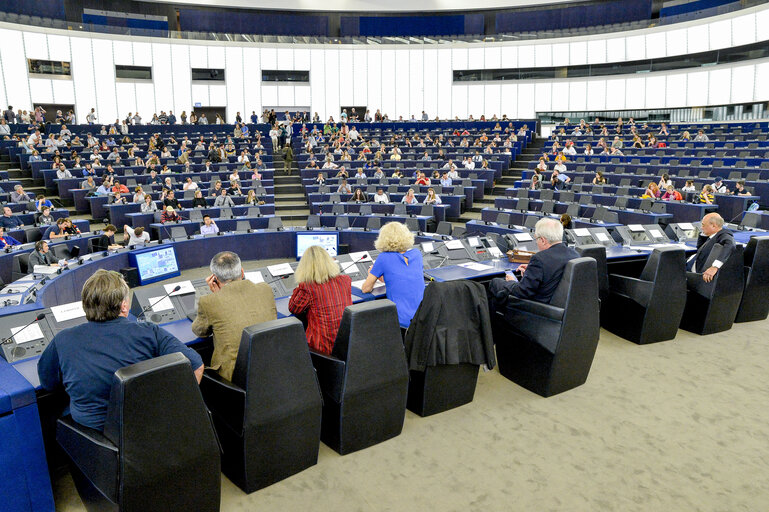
[543, 273]
[713, 233]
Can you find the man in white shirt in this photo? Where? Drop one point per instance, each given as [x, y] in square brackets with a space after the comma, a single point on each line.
[570, 150]
[381, 197]
[209, 227]
[91, 117]
[453, 174]
[353, 133]
[468, 164]
[137, 119]
[136, 236]
[560, 167]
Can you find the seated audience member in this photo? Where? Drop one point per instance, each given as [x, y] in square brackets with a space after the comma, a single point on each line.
[106, 241]
[713, 233]
[536, 182]
[344, 188]
[19, 196]
[235, 304]
[566, 221]
[60, 231]
[41, 255]
[689, 186]
[10, 221]
[741, 190]
[380, 197]
[320, 180]
[118, 188]
[432, 198]
[223, 200]
[399, 265]
[652, 191]
[170, 200]
[45, 218]
[599, 178]
[169, 215]
[422, 179]
[199, 201]
[7, 240]
[84, 358]
[135, 236]
[410, 198]
[671, 194]
[321, 295]
[707, 195]
[664, 182]
[148, 206]
[720, 187]
[559, 180]
[252, 199]
[208, 227]
[359, 196]
[543, 273]
[41, 202]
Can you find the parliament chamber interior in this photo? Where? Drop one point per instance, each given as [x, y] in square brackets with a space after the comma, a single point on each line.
[415, 256]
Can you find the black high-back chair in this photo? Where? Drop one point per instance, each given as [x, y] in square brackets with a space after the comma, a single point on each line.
[20, 266]
[365, 379]
[598, 253]
[158, 451]
[269, 430]
[444, 228]
[648, 309]
[549, 348]
[754, 304]
[712, 307]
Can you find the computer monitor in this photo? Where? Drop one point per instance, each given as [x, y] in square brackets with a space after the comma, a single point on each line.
[155, 264]
[328, 240]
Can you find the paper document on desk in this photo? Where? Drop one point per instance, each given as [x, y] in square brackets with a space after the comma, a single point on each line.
[523, 237]
[478, 267]
[360, 257]
[18, 287]
[186, 287]
[582, 232]
[602, 237]
[656, 233]
[255, 277]
[31, 333]
[282, 269]
[428, 247]
[378, 285]
[454, 244]
[685, 225]
[163, 305]
[349, 267]
[68, 311]
[635, 227]
[45, 269]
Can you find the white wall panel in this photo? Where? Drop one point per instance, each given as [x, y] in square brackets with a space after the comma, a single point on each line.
[374, 80]
[15, 74]
[676, 42]
[762, 25]
[402, 88]
[675, 91]
[525, 56]
[635, 48]
[509, 57]
[615, 94]
[123, 52]
[216, 57]
[302, 96]
[359, 87]
[318, 82]
[40, 90]
[252, 82]
[416, 84]
[301, 59]
[720, 34]
[697, 89]
[698, 39]
[743, 82]
[126, 102]
[145, 101]
[655, 91]
[596, 51]
[526, 101]
[492, 100]
[82, 76]
[217, 95]
[234, 83]
[286, 96]
[445, 89]
[744, 30]
[508, 100]
[492, 57]
[198, 57]
[346, 77]
[459, 97]
[476, 57]
[656, 46]
[543, 55]
[578, 53]
[596, 94]
[142, 54]
[560, 96]
[162, 77]
[200, 95]
[475, 100]
[761, 91]
[35, 45]
[459, 59]
[182, 80]
[561, 54]
[720, 89]
[64, 92]
[332, 75]
[270, 96]
[106, 102]
[543, 96]
[431, 82]
[615, 49]
[285, 58]
[577, 96]
[269, 58]
[58, 48]
[635, 92]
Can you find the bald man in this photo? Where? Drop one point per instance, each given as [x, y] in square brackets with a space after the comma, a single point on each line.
[712, 233]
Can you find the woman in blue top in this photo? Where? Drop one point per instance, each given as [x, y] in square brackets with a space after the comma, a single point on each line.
[399, 264]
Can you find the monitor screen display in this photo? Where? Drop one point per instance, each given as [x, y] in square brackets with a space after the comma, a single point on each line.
[639, 236]
[155, 264]
[329, 241]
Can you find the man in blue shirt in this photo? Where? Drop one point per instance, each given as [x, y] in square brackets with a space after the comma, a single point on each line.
[8, 220]
[84, 358]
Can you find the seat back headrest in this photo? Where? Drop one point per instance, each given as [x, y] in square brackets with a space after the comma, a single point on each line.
[579, 270]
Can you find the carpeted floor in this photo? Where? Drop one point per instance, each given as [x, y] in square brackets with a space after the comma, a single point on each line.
[676, 426]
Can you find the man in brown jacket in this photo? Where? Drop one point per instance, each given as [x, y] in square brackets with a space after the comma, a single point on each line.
[235, 304]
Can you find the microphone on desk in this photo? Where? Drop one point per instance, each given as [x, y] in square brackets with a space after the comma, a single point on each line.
[353, 263]
[150, 306]
[9, 339]
[740, 227]
[285, 276]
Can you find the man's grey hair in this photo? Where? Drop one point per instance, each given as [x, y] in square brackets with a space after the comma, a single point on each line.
[17, 187]
[549, 229]
[226, 266]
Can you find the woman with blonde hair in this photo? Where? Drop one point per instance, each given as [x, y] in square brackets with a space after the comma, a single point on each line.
[322, 294]
[399, 265]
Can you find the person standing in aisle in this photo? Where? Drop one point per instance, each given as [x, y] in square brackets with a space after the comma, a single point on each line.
[288, 158]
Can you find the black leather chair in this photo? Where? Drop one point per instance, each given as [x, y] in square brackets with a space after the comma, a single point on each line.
[754, 304]
[648, 309]
[365, 379]
[269, 429]
[712, 307]
[20, 266]
[158, 451]
[549, 348]
[598, 253]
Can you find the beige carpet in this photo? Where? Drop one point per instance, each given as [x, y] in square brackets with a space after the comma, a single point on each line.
[676, 426]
